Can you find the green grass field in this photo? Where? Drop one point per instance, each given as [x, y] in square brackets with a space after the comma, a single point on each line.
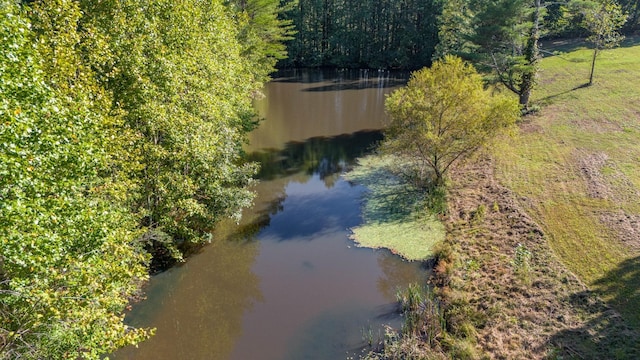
[577, 165]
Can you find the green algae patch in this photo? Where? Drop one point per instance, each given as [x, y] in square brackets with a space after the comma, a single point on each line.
[395, 212]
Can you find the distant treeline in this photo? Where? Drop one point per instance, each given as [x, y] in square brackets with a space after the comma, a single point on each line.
[400, 34]
[363, 33]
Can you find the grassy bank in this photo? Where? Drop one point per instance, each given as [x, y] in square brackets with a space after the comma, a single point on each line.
[552, 268]
[541, 258]
[577, 163]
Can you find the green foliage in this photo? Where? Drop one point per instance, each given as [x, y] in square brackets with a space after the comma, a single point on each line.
[454, 29]
[477, 217]
[262, 32]
[631, 8]
[121, 126]
[444, 114]
[184, 81]
[603, 22]
[522, 263]
[364, 34]
[68, 266]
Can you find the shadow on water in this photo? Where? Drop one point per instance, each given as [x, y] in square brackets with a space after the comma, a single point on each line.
[195, 320]
[610, 334]
[343, 79]
[341, 333]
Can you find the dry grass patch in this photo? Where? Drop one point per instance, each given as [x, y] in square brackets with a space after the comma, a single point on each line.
[522, 301]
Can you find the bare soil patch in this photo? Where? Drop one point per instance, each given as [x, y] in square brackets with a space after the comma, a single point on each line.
[613, 185]
[543, 312]
[530, 127]
[597, 126]
[590, 169]
[626, 226]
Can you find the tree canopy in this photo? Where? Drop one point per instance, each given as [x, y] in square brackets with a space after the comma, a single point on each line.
[121, 126]
[68, 263]
[363, 33]
[444, 114]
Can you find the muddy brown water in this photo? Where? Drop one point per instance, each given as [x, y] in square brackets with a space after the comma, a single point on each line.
[287, 282]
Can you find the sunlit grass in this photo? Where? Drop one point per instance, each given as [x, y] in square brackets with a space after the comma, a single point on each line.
[394, 212]
[549, 164]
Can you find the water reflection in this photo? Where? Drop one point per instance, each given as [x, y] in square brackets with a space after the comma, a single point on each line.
[324, 156]
[198, 308]
[312, 209]
[301, 105]
[286, 283]
[343, 79]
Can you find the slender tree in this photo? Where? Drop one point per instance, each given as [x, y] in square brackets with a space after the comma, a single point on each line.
[603, 22]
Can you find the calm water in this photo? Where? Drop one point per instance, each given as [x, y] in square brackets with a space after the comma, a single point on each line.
[287, 283]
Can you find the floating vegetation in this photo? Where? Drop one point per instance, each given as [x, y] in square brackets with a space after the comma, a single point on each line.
[395, 211]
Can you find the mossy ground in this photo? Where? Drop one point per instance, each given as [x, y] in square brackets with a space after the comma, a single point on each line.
[395, 214]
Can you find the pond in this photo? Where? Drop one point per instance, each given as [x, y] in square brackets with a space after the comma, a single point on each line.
[287, 282]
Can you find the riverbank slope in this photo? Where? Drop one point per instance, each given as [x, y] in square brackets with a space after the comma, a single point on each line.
[545, 227]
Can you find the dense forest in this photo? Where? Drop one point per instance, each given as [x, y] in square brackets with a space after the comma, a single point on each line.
[363, 34]
[122, 124]
[409, 34]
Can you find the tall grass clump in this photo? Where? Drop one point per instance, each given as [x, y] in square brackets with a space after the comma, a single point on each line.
[423, 315]
[522, 263]
[423, 328]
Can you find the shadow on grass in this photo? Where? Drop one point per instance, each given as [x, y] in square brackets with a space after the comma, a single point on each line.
[622, 286]
[610, 334]
[396, 194]
[545, 100]
[559, 47]
[392, 200]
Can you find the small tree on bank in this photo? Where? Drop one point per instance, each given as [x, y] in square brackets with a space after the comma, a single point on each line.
[444, 114]
[603, 22]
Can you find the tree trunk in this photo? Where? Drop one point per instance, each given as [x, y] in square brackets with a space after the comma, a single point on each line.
[523, 98]
[593, 66]
[532, 56]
